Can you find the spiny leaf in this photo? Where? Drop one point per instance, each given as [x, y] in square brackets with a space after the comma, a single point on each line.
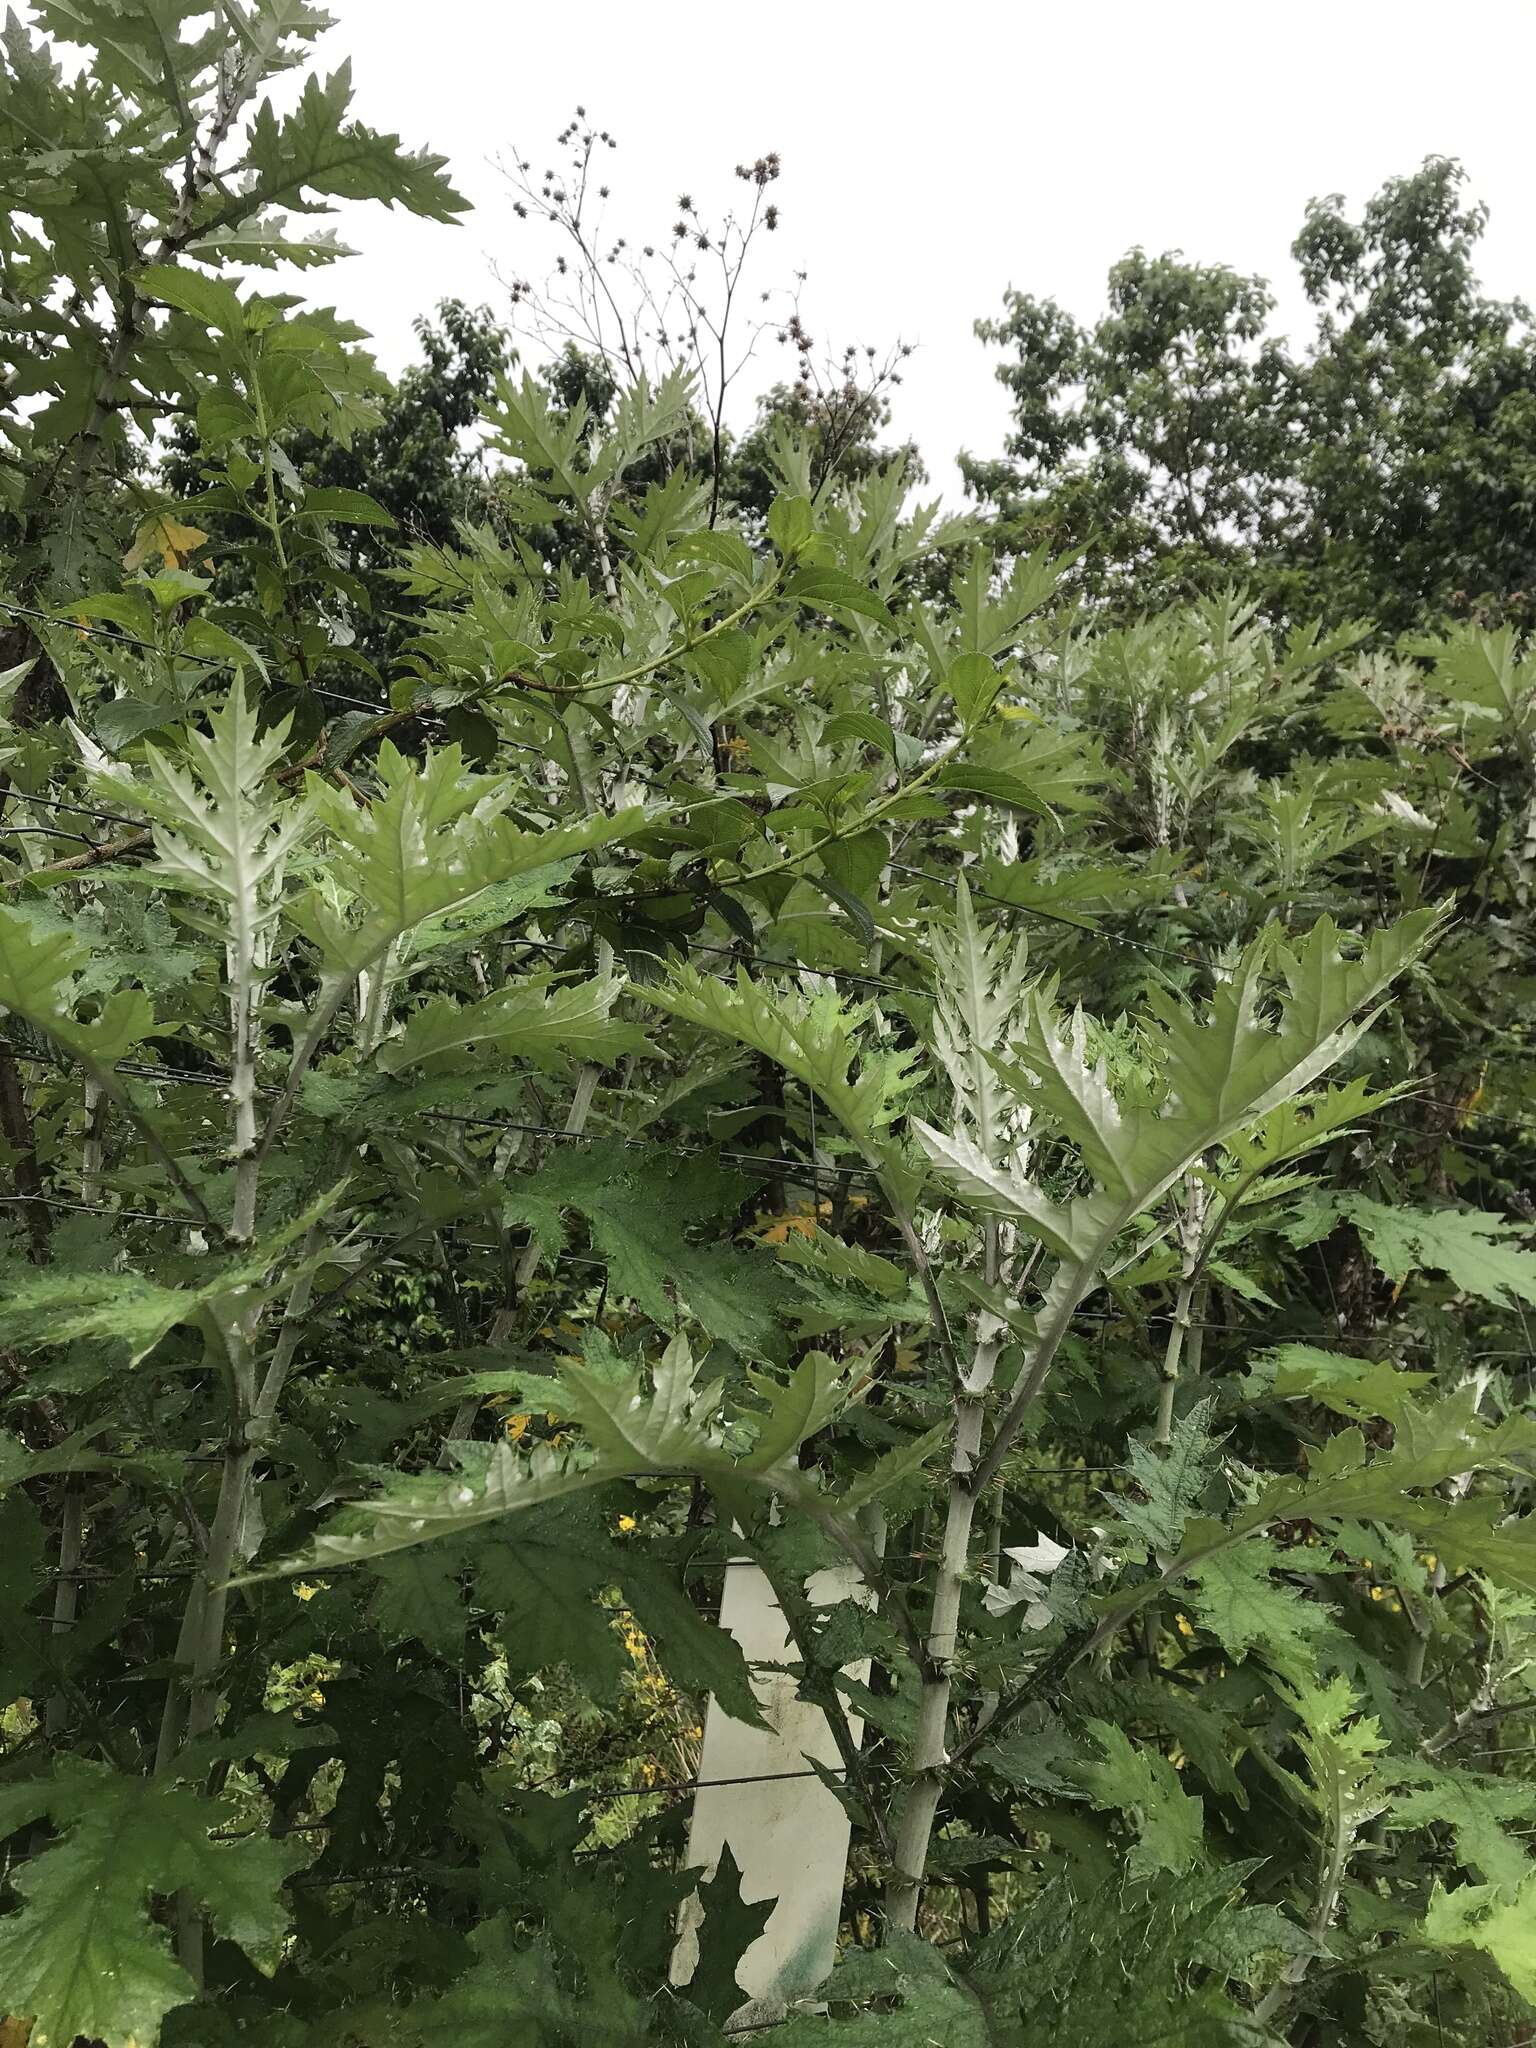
[980, 997]
[37, 977]
[315, 149]
[1172, 1479]
[1145, 1787]
[1236, 1596]
[1216, 1073]
[525, 1020]
[1341, 1746]
[57, 1306]
[676, 1429]
[1475, 1806]
[1357, 1387]
[643, 1210]
[432, 839]
[811, 1036]
[82, 1956]
[1489, 1917]
[1471, 1248]
[917, 2001]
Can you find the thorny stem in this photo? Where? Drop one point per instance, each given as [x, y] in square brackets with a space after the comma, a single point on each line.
[247, 952]
[1341, 1840]
[920, 1801]
[290, 1331]
[1181, 1338]
[1471, 1719]
[66, 1594]
[207, 1604]
[1418, 1649]
[91, 1149]
[1190, 1225]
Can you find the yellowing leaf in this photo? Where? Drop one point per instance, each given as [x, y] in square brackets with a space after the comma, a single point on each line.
[166, 537]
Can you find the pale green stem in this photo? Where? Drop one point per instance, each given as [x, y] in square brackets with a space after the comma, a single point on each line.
[1178, 1330]
[208, 1598]
[374, 987]
[91, 1149]
[1341, 1840]
[66, 1595]
[919, 1805]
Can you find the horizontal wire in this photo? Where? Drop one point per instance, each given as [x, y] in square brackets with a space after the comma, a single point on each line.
[786, 1169]
[1159, 1317]
[115, 634]
[694, 1784]
[774, 1169]
[748, 959]
[116, 637]
[551, 948]
[1050, 916]
[751, 1161]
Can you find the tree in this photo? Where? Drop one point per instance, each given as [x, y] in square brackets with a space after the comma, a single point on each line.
[836, 420]
[1384, 470]
[413, 460]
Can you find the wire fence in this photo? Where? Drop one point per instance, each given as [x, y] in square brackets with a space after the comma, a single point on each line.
[1381, 1344]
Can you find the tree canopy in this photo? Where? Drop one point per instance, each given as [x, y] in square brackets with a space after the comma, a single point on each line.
[1382, 468]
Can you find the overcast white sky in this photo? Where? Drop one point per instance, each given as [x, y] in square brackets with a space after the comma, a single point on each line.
[936, 153]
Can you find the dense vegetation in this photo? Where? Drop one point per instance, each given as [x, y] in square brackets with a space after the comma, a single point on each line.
[587, 1001]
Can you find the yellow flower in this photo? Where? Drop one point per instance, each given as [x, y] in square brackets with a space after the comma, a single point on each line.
[1181, 1623]
[316, 1698]
[626, 1523]
[304, 1591]
[517, 1427]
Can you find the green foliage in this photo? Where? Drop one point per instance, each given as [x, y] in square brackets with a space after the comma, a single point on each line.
[1371, 473]
[760, 1031]
[83, 1956]
[1145, 1787]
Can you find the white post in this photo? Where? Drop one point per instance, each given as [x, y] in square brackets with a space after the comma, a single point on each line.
[787, 1831]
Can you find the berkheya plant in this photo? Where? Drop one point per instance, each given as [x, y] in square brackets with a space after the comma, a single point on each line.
[370, 1145]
